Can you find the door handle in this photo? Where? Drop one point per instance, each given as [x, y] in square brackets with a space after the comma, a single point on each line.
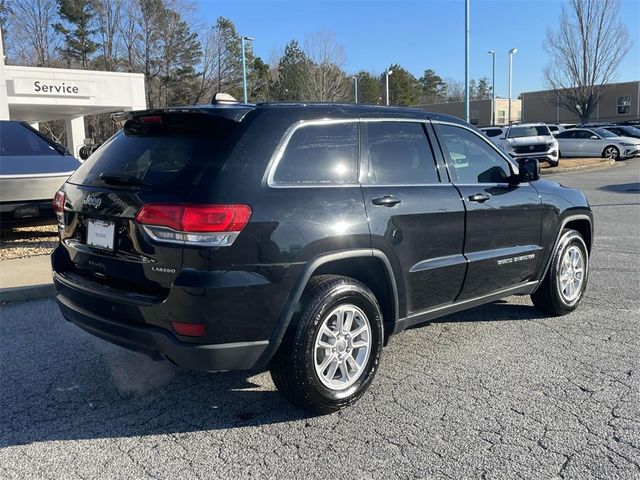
[386, 201]
[479, 197]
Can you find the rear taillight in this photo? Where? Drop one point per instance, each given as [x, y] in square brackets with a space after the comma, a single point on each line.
[210, 225]
[58, 203]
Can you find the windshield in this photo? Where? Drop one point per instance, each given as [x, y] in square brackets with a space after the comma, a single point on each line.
[633, 131]
[19, 141]
[531, 131]
[604, 133]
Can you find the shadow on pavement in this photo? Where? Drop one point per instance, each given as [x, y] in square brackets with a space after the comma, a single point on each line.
[633, 187]
[59, 383]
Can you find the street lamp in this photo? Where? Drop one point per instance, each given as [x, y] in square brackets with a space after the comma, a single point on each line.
[511, 52]
[386, 74]
[244, 66]
[355, 84]
[466, 60]
[493, 89]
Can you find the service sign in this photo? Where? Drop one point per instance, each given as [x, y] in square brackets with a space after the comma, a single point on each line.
[53, 88]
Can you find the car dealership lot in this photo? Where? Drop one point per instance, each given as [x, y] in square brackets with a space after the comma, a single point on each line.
[500, 390]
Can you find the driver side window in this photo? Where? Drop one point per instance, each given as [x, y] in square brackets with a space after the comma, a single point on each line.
[470, 158]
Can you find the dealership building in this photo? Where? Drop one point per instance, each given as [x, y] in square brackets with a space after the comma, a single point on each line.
[34, 95]
[620, 103]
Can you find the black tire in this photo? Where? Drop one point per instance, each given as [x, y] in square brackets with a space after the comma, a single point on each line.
[548, 297]
[293, 367]
[553, 164]
[611, 152]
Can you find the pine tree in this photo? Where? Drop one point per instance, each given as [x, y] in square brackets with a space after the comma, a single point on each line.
[78, 33]
[291, 69]
[433, 87]
[404, 88]
[368, 88]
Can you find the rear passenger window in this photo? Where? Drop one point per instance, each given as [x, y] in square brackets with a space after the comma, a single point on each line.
[320, 154]
[399, 154]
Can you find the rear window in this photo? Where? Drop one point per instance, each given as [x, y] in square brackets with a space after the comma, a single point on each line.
[532, 131]
[320, 154]
[172, 154]
[18, 140]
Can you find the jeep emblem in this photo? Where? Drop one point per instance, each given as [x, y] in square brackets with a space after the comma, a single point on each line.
[92, 201]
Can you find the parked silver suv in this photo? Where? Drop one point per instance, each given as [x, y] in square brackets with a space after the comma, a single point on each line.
[531, 140]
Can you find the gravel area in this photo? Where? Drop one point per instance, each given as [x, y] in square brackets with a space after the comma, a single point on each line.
[27, 241]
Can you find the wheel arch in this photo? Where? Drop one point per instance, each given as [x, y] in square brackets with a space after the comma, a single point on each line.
[369, 266]
[582, 223]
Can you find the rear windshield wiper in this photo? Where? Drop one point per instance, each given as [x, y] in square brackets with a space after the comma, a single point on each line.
[117, 179]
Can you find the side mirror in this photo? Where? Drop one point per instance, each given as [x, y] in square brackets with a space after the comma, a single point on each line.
[529, 170]
[593, 137]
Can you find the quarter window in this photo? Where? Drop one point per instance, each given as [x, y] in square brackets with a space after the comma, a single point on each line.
[471, 159]
[624, 105]
[320, 154]
[399, 154]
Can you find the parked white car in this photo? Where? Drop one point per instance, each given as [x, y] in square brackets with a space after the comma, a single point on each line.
[596, 142]
[531, 140]
[557, 128]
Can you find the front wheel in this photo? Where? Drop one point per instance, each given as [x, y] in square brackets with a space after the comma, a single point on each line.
[611, 152]
[329, 359]
[565, 282]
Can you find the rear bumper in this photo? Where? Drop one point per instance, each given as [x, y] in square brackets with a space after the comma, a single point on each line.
[34, 212]
[160, 344]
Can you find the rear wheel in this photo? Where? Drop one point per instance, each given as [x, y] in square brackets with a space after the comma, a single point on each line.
[611, 152]
[329, 359]
[566, 280]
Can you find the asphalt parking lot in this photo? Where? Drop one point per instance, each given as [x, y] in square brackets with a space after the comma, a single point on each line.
[500, 391]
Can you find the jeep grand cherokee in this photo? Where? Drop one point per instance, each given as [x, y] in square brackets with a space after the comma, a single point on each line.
[301, 237]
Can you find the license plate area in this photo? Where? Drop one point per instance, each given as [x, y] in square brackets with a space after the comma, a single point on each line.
[101, 234]
[27, 212]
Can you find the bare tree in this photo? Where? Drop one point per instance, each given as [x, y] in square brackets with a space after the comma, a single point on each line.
[32, 39]
[109, 24]
[585, 53]
[324, 79]
[454, 90]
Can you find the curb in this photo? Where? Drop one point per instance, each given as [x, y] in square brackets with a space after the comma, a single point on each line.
[31, 292]
[579, 168]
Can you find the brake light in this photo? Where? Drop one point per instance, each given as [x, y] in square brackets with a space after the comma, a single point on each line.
[150, 119]
[58, 203]
[211, 225]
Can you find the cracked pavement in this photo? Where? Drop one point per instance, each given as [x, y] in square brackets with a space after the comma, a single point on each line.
[500, 391]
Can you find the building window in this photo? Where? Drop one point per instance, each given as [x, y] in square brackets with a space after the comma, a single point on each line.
[624, 105]
[502, 117]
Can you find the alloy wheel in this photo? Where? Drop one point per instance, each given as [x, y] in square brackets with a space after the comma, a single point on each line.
[342, 347]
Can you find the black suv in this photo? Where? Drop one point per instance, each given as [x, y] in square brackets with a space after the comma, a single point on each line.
[301, 237]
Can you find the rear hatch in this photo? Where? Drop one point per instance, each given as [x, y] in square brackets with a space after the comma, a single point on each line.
[159, 157]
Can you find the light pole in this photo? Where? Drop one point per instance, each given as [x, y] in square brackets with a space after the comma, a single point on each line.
[355, 86]
[387, 73]
[493, 89]
[244, 66]
[466, 61]
[511, 52]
